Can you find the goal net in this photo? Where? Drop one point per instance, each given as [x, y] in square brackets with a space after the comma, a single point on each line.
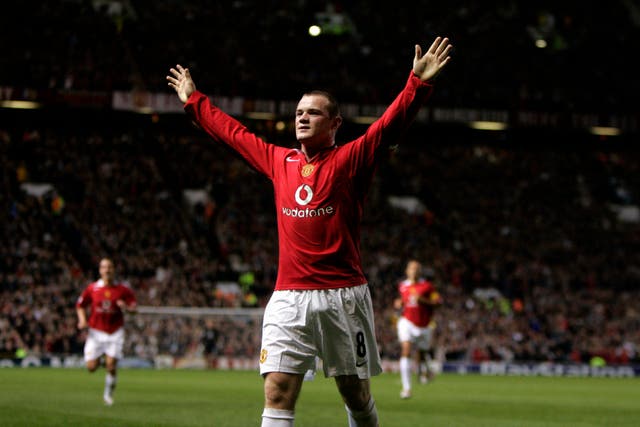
[195, 337]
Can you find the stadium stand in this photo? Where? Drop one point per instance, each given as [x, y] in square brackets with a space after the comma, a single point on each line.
[533, 236]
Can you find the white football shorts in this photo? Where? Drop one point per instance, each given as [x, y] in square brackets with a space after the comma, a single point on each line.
[408, 331]
[337, 325]
[99, 343]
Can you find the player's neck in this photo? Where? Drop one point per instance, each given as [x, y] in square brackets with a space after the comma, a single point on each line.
[311, 151]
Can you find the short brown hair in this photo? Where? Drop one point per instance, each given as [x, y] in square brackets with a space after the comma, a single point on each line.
[332, 108]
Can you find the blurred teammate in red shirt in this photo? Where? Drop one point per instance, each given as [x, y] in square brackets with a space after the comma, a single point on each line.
[418, 299]
[107, 301]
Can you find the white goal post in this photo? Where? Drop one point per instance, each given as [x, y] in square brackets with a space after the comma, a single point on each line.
[201, 311]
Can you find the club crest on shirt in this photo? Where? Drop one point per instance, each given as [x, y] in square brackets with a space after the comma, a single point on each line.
[307, 170]
[107, 294]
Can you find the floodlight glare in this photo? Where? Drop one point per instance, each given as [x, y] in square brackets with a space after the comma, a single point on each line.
[314, 31]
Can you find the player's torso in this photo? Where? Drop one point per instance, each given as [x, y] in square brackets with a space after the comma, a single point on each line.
[103, 299]
[411, 292]
[314, 198]
[417, 313]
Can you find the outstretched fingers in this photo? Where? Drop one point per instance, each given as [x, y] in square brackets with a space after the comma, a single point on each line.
[427, 66]
[439, 46]
[178, 74]
[443, 53]
[434, 46]
[440, 49]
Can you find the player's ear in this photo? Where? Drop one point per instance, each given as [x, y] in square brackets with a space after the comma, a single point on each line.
[337, 121]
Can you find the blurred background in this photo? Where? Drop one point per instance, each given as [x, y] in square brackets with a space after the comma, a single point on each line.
[517, 186]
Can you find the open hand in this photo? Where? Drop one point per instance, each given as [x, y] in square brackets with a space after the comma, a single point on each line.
[180, 80]
[427, 66]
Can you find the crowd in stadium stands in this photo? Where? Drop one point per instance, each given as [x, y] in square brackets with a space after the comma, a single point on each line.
[532, 261]
[522, 241]
[264, 50]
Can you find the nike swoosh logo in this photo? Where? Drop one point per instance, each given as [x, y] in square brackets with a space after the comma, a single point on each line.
[359, 365]
[292, 160]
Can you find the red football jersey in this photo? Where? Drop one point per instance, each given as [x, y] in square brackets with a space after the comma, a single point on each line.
[419, 314]
[319, 203]
[105, 314]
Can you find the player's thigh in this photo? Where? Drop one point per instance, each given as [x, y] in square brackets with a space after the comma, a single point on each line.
[346, 333]
[114, 344]
[93, 347]
[423, 340]
[405, 348]
[406, 330]
[281, 389]
[110, 363]
[287, 339]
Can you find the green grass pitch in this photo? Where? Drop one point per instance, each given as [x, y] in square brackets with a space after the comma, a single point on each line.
[73, 397]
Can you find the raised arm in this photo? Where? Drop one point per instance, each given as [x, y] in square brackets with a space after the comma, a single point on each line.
[427, 66]
[180, 80]
[220, 126]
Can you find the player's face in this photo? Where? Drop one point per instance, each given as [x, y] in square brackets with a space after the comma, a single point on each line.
[106, 270]
[315, 128]
[413, 270]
